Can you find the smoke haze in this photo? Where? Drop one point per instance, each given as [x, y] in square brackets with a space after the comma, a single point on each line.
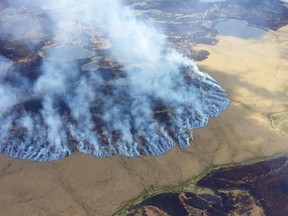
[149, 102]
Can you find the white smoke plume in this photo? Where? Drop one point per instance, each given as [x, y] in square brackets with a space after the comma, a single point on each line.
[154, 104]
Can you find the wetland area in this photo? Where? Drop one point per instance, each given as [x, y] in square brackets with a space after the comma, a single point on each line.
[237, 164]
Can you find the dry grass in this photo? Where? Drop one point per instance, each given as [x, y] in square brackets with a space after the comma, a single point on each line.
[253, 72]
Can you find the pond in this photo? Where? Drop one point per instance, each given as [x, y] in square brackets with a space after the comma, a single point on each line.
[68, 52]
[239, 28]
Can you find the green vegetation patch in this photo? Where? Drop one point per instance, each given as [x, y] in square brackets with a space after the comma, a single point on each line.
[188, 186]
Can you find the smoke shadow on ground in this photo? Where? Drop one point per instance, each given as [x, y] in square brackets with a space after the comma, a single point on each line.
[233, 84]
[244, 130]
[284, 53]
[85, 182]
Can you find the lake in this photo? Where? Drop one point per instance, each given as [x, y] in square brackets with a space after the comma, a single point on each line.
[239, 28]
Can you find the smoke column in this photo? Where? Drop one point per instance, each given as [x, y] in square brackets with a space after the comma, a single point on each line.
[151, 101]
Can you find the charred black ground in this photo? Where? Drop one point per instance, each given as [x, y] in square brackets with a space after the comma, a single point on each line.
[239, 190]
[40, 111]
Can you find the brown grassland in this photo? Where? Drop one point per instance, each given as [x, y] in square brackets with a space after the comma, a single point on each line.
[255, 74]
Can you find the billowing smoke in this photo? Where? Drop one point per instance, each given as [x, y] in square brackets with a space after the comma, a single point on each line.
[134, 96]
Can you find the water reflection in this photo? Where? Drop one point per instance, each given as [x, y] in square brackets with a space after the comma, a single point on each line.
[239, 28]
[68, 52]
